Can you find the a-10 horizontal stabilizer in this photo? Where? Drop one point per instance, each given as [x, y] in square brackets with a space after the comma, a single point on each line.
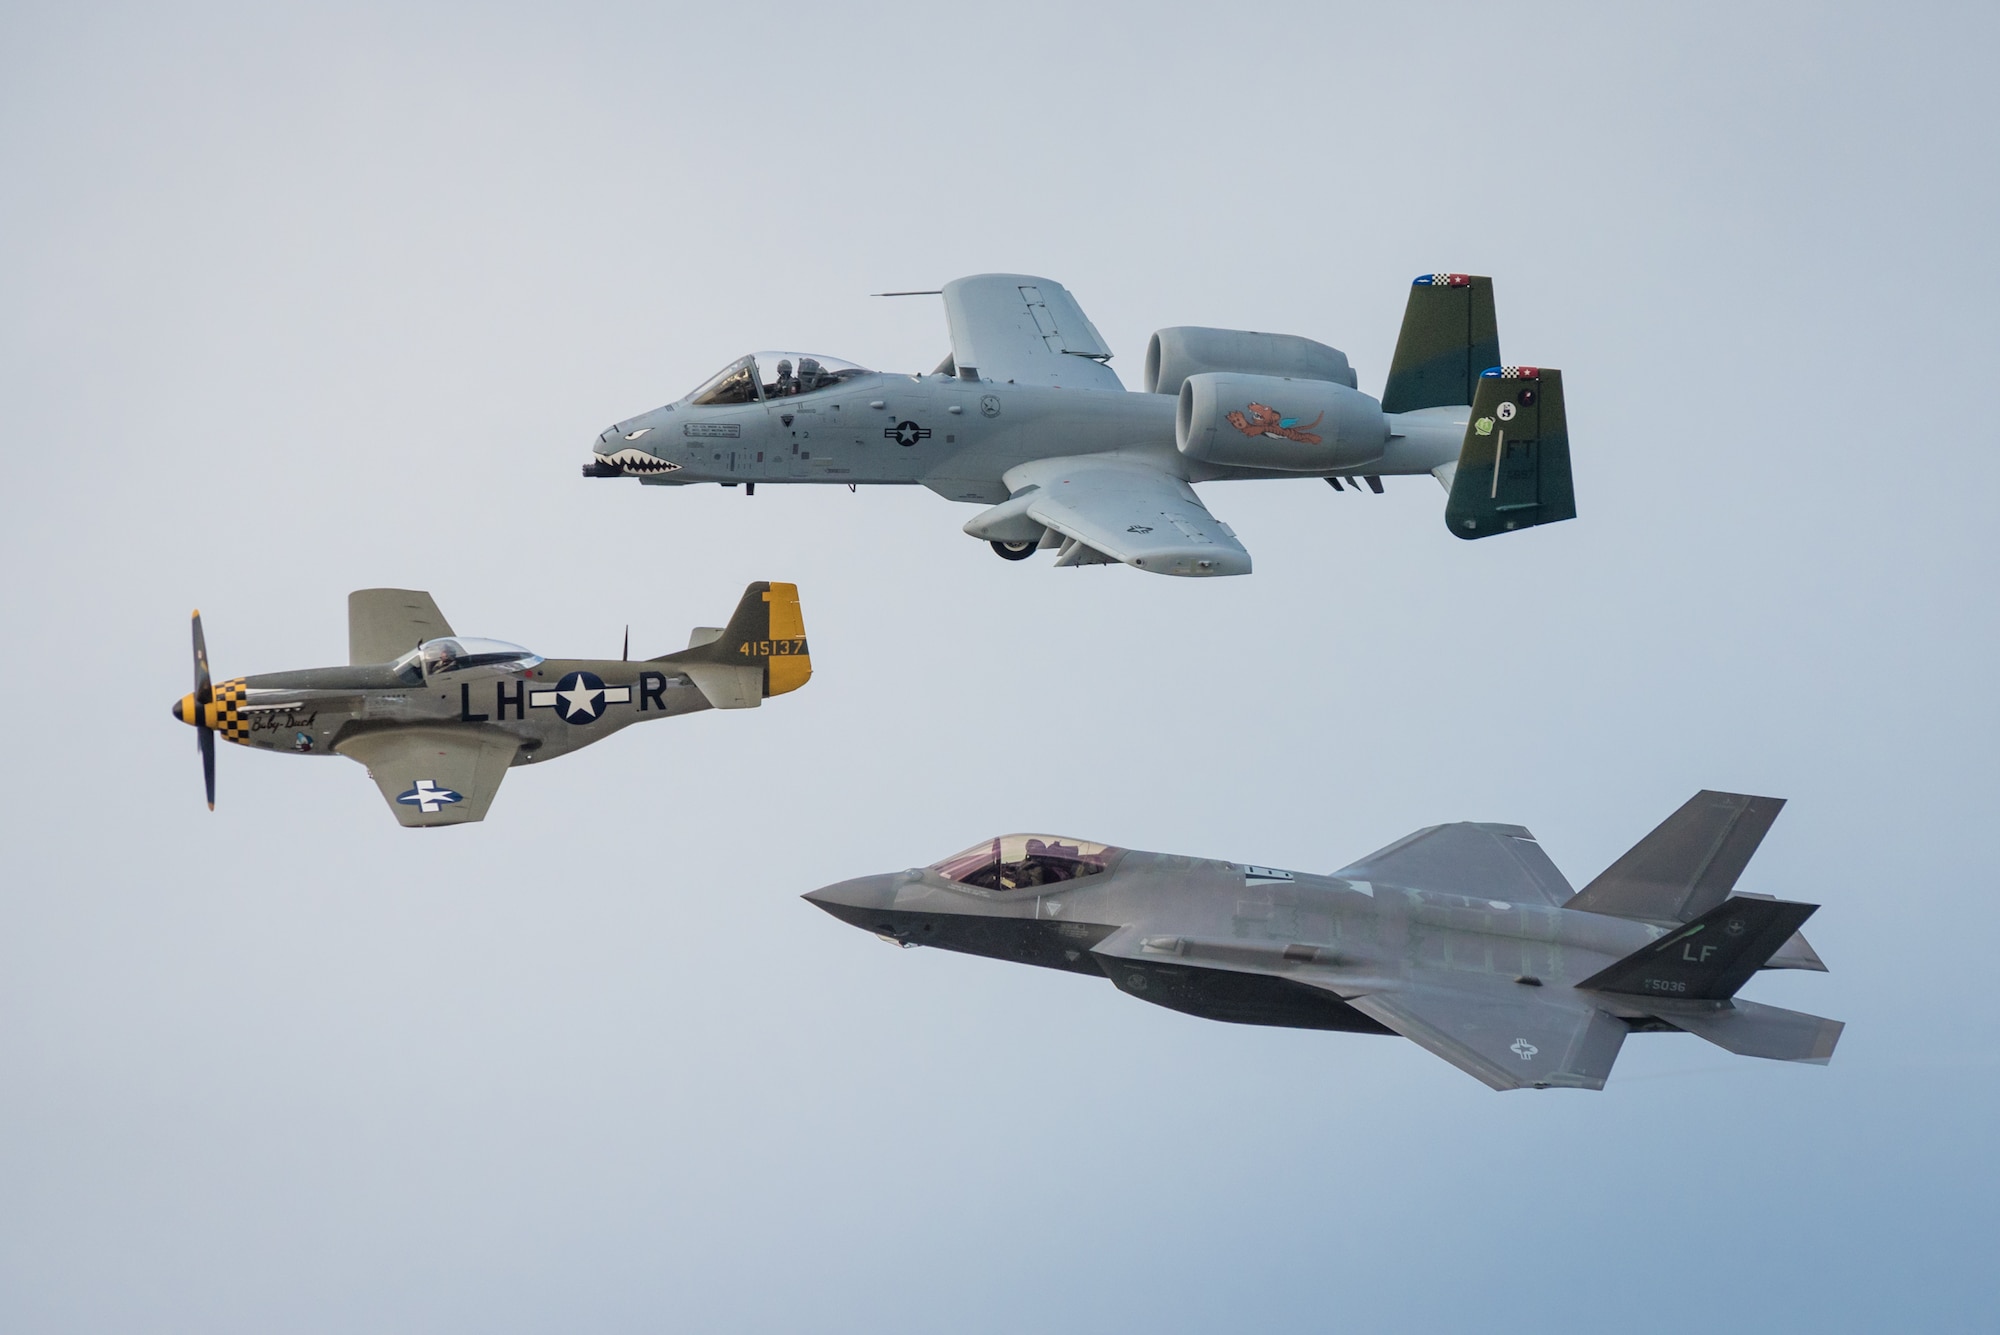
[1513, 469]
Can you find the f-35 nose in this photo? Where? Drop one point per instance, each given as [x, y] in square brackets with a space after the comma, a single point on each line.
[854, 901]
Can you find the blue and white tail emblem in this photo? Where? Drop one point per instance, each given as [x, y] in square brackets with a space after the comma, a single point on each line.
[427, 797]
[580, 697]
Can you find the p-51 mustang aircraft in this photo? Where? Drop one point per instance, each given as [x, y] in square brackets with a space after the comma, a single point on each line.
[1464, 938]
[1026, 418]
[438, 717]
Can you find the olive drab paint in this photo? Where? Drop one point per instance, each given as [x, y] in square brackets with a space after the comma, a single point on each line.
[439, 718]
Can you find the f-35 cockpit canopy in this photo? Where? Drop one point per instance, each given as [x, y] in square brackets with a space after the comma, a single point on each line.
[459, 652]
[1018, 861]
[772, 375]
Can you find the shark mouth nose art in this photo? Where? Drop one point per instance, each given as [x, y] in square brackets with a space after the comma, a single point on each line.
[637, 463]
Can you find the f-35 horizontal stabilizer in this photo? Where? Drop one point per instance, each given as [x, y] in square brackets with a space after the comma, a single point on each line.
[1450, 334]
[1513, 469]
[1752, 1030]
[1709, 958]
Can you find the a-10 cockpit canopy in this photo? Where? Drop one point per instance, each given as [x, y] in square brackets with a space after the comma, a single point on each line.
[773, 375]
[459, 652]
[1018, 861]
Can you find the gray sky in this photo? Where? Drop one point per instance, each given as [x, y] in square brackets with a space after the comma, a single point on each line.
[298, 302]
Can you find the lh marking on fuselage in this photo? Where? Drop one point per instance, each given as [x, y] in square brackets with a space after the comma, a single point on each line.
[580, 697]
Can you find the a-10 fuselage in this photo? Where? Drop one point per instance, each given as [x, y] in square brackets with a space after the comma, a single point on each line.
[962, 438]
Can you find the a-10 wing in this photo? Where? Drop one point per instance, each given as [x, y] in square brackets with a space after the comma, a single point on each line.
[1028, 330]
[1130, 512]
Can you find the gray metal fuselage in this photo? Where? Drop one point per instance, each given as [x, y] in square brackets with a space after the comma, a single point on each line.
[961, 438]
[1245, 944]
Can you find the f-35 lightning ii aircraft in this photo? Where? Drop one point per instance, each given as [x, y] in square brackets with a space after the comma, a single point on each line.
[1026, 418]
[438, 717]
[1462, 937]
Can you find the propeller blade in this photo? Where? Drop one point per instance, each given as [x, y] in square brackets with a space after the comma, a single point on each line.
[625, 655]
[207, 741]
[203, 691]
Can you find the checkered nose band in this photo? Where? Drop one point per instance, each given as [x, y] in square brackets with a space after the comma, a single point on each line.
[224, 714]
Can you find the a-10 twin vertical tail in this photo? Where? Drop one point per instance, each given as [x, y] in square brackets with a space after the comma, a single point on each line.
[1513, 466]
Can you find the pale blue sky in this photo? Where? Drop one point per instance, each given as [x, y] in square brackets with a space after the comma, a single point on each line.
[294, 303]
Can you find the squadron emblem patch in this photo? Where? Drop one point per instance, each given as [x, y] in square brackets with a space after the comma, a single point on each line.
[1260, 419]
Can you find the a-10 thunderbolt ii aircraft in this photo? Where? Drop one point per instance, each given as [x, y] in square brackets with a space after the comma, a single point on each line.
[1025, 418]
[1464, 938]
[438, 717]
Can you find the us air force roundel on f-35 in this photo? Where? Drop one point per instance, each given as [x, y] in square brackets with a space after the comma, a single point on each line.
[1463, 938]
[1025, 418]
[438, 725]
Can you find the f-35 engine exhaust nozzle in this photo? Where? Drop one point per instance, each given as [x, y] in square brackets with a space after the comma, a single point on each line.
[1172, 355]
[1267, 421]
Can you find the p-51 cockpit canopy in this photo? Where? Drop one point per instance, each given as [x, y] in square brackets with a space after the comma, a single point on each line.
[1018, 861]
[458, 652]
[790, 374]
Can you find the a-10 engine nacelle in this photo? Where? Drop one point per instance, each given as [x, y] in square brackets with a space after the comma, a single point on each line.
[1172, 355]
[1268, 421]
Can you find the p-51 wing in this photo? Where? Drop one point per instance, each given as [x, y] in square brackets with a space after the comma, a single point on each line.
[434, 776]
[1112, 509]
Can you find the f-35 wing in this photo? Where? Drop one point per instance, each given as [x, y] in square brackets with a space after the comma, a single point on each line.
[1508, 1034]
[385, 624]
[1112, 509]
[1012, 326]
[434, 776]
